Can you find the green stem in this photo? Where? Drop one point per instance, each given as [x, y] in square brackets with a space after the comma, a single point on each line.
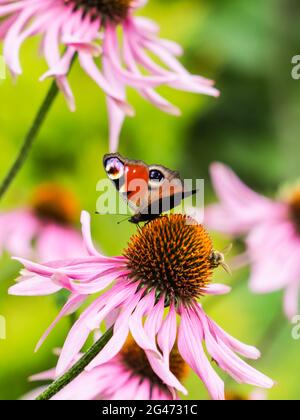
[76, 369]
[29, 138]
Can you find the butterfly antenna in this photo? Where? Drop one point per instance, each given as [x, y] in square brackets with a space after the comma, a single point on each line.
[124, 220]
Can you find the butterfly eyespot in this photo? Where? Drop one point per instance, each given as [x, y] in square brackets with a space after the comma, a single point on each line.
[114, 168]
[156, 176]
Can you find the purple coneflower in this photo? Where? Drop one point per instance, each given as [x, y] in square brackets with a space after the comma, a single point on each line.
[44, 230]
[128, 376]
[165, 269]
[89, 28]
[272, 230]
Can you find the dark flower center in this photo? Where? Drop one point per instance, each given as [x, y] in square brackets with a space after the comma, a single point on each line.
[113, 10]
[51, 202]
[135, 359]
[173, 255]
[294, 203]
[234, 396]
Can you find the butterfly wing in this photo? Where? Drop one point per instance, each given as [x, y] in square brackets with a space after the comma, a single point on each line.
[130, 178]
[148, 190]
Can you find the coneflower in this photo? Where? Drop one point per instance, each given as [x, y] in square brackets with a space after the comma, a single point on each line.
[44, 229]
[166, 268]
[89, 28]
[272, 232]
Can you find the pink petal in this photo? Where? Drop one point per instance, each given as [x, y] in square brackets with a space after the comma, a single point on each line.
[217, 289]
[163, 372]
[291, 300]
[241, 207]
[232, 364]
[34, 286]
[73, 303]
[136, 324]
[167, 334]
[120, 334]
[190, 338]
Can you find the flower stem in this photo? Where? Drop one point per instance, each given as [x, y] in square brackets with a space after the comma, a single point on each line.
[29, 138]
[77, 368]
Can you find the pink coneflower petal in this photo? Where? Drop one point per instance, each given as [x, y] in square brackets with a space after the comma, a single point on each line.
[164, 373]
[18, 229]
[291, 300]
[89, 320]
[56, 241]
[154, 321]
[247, 351]
[115, 113]
[217, 289]
[34, 286]
[190, 336]
[43, 376]
[73, 303]
[121, 331]
[137, 329]
[137, 81]
[238, 200]
[148, 93]
[88, 288]
[228, 361]
[271, 274]
[86, 233]
[166, 336]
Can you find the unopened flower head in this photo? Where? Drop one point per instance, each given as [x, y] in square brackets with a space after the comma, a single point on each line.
[89, 29]
[272, 232]
[166, 267]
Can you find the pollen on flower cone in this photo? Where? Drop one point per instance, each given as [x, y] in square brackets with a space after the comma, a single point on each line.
[173, 255]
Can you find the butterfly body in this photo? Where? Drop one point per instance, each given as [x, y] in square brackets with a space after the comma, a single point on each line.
[149, 190]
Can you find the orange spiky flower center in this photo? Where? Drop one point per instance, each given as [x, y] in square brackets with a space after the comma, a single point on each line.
[51, 202]
[172, 254]
[113, 10]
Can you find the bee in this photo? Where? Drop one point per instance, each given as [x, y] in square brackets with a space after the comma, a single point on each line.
[218, 259]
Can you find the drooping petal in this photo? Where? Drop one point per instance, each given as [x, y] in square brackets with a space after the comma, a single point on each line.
[190, 338]
[137, 329]
[70, 307]
[230, 362]
[167, 333]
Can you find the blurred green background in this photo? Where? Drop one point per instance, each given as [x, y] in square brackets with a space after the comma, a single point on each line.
[247, 47]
